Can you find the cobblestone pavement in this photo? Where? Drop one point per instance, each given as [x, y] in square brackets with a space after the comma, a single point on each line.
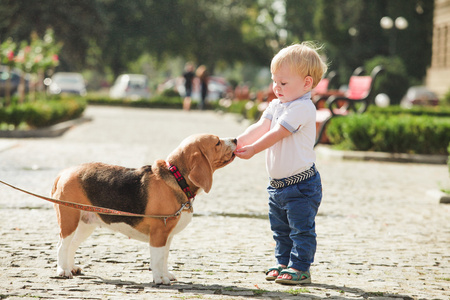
[380, 234]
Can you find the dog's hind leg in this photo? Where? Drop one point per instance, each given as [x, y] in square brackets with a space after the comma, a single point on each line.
[68, 220]
[81, 234]
[63, 268]
[68, 246]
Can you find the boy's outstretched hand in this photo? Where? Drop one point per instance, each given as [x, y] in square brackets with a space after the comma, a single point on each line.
[268, 139]
[245, 152]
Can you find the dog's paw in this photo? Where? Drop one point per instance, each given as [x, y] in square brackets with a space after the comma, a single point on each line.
[76, 270]
[161, 279]
[171, 276]
[64, 273]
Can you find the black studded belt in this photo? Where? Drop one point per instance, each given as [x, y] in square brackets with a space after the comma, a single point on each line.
[281, 183]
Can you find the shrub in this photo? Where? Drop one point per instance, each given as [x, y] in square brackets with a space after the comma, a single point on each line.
[15, 114]
[237, 107]
[170, 93]
[253, 112]
[435, 111]
[448, 161]
[446, 98]
[159, 101]
[400, 133]
[42, 113]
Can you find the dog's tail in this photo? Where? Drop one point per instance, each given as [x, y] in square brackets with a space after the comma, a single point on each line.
[55, 184]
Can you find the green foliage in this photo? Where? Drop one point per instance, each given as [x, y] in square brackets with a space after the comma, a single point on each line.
[238, 107]
[214, 32]
[40, 54]
[14, 115]
[435, 111]
[448, 161]
[159, 101]
[170, 93]
[7, 49]
[393, 81]
[396, 133]
[71, 22]
[334, 21]
[253, 112]
[246, 108]
[42, 113]
[297, 291]
[446, 98]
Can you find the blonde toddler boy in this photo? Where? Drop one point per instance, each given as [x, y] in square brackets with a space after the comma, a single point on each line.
[287, 129]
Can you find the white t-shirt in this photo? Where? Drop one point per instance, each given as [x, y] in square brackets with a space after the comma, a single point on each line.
[295, 153]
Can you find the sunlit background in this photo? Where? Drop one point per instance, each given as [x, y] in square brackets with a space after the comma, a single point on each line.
[235, 39]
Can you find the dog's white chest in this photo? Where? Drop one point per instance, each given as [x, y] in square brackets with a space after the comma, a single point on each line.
[185, 219]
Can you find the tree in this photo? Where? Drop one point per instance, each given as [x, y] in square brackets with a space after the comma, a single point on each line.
[7, 49]
[300, 20]
[109, 34]
[75, 22]
[351, 30]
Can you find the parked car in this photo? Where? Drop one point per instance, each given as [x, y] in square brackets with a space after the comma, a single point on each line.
[67, 82]
[419, 95]
[15, 81]
[218, 87]
[130, 86]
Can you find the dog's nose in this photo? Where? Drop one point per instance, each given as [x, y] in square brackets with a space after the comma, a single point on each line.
[235, 141]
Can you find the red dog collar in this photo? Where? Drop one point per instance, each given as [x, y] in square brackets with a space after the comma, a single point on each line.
[181, 181]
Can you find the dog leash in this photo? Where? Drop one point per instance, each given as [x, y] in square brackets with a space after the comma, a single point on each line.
[105, 211]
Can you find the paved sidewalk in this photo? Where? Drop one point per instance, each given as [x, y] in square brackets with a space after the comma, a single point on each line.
[380, 234]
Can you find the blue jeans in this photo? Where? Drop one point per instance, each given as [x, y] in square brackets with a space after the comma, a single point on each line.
[292, 212]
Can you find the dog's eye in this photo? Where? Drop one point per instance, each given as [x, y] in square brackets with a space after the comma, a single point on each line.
[218, 143]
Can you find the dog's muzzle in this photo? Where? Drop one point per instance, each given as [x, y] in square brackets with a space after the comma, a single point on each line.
[231, 143]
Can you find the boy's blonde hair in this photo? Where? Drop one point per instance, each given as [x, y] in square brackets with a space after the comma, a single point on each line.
[303, 59]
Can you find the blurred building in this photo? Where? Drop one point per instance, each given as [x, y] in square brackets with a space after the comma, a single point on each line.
[438, 75]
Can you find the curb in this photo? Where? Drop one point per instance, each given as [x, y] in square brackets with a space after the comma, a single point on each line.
[381, 156]
[46, 132]
[443, 198]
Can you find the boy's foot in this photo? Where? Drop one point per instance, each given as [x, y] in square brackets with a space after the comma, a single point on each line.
[293, 276]
[273, 272]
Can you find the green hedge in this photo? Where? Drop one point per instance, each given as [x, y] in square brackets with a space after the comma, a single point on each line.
[160, 101]
[448, 161]
[247, 108]
[42, 113]
[436, 111]
[396, 133]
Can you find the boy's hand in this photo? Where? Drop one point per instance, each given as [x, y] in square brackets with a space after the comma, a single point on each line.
[240, 143]
[245, 152]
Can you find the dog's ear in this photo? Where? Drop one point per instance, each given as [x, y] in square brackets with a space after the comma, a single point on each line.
[201, 174]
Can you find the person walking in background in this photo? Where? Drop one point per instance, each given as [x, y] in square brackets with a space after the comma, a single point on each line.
[188, 80]
[287, 129]
[202, 74]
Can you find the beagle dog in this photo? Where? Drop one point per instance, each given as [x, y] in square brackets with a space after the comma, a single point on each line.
[150, 190]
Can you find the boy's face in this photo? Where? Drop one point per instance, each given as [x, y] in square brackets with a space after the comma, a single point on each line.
[288, 85]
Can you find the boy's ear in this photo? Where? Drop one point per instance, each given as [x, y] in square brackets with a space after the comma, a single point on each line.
[309, 82]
